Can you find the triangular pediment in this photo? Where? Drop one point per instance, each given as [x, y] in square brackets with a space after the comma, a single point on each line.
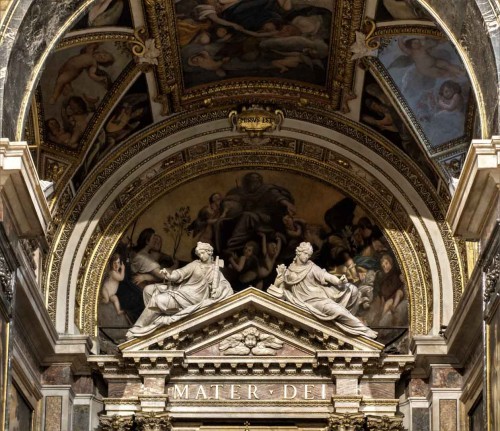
[250, 323]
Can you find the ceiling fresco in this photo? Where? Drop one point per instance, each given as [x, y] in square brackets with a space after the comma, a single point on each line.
[264, 38]
[127, 65]
[106, 13]
[432, 80]
[72, 88]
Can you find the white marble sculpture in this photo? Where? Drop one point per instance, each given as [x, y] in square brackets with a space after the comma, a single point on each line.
[186, 290]
[326, 296]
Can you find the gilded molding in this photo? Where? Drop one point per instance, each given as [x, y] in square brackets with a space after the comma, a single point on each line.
[166, 128]
[108, 236]
[72, 40]
[161, 18]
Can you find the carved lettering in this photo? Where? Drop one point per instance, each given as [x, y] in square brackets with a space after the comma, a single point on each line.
[252, 391]
[216, 387]
[201, 392]
[234, 392]
[308, 392]
[178, 393]
[285, 392]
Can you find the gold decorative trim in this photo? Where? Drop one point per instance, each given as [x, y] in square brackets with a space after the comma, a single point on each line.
[371, 41]
[139, 42]
[161, 18]
[104, 242]
[121, 35]
[158, 132]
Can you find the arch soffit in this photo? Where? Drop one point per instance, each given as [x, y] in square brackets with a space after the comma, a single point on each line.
[64, 16]
[80, 241]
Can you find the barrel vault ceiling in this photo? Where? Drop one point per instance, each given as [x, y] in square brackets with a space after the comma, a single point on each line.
[127, 66]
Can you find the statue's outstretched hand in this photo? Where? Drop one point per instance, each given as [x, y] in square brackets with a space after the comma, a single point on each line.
[280, 269]
[166, 274]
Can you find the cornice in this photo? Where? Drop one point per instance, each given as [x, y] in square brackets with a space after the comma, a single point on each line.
[477, 190]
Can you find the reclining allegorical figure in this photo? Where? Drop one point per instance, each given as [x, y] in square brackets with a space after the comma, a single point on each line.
[186, 290]
[326, 296]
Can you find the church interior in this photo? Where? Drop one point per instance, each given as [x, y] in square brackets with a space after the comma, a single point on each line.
[249, 215]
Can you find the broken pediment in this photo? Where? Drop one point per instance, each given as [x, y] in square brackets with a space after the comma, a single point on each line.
[250, 323]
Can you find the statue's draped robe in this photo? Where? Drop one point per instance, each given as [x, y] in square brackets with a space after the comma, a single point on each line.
[306, 287]
[198, 285]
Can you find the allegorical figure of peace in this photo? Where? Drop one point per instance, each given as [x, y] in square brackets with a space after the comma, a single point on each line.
[326, 296]
[186, 290]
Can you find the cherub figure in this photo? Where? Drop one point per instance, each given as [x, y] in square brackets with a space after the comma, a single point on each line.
[116, 273]
[89, 59]
[385, 117]
[293, 226]
[246, 264]
[56, 133]
[426, 62]
[204, 60]
[450, 96]
[270, 252]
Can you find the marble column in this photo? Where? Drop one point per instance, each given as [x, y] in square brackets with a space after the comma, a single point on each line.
[86, 405]
[415, 406]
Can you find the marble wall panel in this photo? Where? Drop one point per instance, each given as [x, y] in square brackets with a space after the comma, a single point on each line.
[420, 419]
[377, 389]
[124, 389]
[418, 388]
[53, 413]
[81, 418]
[83, 385]
[448, 415]
[446, 378]
[347, 386]
[57, 375]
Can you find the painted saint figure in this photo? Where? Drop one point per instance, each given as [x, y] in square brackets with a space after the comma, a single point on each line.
[186, 290]
[325, 295]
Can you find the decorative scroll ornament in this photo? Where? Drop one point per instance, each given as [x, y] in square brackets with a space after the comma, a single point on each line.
[366, 45]
[151, 422]
[116, 423]
[346, 422]
[145, 50]
[256, 119]
[5, 277]
[251, 340]
[492, 277]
